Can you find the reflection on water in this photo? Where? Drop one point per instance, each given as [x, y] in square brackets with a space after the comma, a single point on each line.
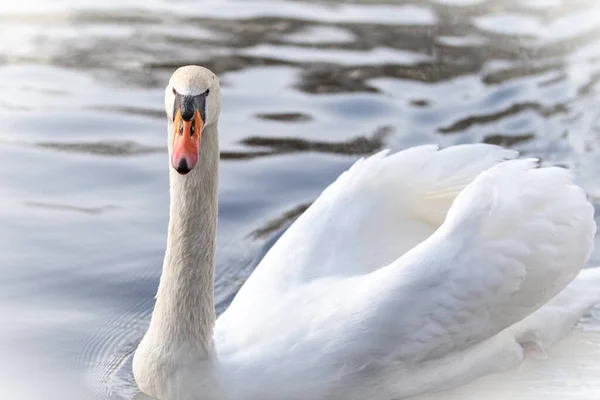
[290, 117]
[359, 145]
[309, 86]
[278, 223]
[124, 148]
[514, 109]
[65, 207]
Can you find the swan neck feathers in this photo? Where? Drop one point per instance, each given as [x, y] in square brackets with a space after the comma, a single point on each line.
[184, 302]
[178, 347]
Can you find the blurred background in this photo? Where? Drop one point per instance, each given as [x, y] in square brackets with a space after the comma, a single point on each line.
[308, 87]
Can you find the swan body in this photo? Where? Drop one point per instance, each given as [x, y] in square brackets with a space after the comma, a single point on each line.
[413, 272]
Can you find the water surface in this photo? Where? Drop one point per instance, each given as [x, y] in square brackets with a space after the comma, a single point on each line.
[308, 88]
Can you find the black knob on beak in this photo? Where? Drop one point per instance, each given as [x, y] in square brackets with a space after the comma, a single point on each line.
[183, 168]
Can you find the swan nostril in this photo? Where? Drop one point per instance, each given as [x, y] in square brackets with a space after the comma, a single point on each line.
[183, 168]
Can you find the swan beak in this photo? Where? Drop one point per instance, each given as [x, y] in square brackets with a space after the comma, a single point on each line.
[186, 143]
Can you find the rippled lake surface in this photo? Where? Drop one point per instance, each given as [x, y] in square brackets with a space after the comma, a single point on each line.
[309, 87]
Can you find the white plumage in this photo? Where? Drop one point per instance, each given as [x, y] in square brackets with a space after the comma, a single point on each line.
[370, 293]
[413, 272]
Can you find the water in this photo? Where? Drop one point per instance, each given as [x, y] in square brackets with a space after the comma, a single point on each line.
[308, 88]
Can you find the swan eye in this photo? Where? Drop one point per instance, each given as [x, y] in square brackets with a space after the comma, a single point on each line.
[192, 127]
[180, 127]
[174, 91]
[207, 92]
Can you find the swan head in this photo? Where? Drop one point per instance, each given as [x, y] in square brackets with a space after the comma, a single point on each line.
[192, 102]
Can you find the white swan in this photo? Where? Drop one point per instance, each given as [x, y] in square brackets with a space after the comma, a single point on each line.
[413, 272]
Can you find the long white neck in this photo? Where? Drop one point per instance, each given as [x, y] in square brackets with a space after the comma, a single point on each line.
[176, 359]
[184, 310]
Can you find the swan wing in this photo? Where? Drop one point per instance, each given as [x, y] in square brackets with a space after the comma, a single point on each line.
[374, 212]
[513, 239]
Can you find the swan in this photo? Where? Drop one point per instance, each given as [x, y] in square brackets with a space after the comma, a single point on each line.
[413, 272]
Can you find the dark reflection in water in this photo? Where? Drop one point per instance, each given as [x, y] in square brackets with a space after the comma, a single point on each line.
[276, 224]
[516, 108]
[143, 112]
[508, 141]
[288, 117]
[66, 207]
[352, 146]
[111, 148]
[308, 87]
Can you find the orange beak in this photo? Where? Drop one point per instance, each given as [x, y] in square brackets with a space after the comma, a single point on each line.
[186, 142]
